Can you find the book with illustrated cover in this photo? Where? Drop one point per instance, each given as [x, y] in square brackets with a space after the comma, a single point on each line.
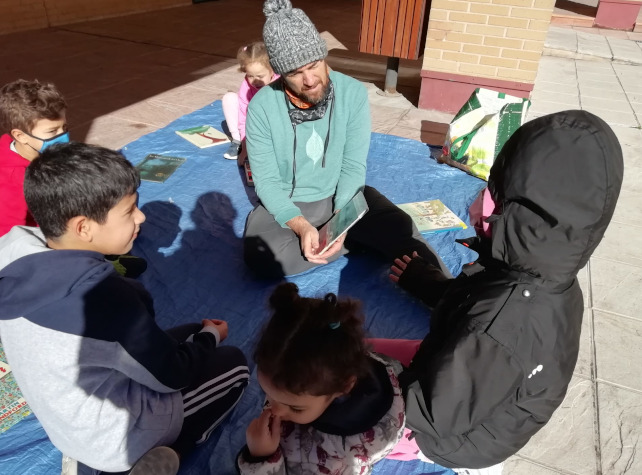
[158, 168]
[203, 136]
[432, 216]
[340, 222]
[13, 407]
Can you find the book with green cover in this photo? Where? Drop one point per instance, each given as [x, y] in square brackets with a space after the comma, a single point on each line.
[432, 216]
[13, 407]
[203, 136]
[158, 168]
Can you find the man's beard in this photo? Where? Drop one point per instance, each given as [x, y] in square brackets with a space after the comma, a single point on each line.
[320, 98]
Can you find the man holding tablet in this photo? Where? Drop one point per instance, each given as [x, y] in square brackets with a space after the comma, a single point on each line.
[308, 135]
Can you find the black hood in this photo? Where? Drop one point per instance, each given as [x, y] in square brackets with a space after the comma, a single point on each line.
[555, 184]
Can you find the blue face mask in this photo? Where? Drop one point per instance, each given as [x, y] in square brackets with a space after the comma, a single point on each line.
[60, 138]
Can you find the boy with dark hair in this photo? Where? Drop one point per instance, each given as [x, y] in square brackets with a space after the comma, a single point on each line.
[32, 117]
[108, 385]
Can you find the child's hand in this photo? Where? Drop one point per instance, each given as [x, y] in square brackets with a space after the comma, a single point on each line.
[220, 325]
[263, 434]
[400, 266]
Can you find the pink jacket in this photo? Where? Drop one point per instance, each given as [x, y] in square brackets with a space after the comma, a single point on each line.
[246, 93]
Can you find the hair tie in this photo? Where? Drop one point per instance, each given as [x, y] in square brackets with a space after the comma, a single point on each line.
[334, 325]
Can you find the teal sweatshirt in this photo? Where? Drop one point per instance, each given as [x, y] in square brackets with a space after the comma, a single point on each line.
[270, 146]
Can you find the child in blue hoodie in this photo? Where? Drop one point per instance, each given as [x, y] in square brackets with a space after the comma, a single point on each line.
[111, 389]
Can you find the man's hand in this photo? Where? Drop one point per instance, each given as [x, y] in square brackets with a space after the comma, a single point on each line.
[332, 250]
[308, 239]
[263, 434]
[400, 266]
[220, 325]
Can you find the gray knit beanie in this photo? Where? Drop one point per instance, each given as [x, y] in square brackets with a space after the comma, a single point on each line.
[290, 37]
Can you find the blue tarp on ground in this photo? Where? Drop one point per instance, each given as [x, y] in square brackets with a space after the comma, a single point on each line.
[192, 242]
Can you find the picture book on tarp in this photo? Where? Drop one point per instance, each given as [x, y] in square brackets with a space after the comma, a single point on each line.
[158, 168]
[432, 216]
[203, 136]
[13, 407]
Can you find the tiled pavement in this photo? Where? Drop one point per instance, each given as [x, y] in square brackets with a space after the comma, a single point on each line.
[128, 76]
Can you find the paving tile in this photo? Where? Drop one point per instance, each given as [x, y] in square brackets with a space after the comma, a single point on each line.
[158, 114]
[601, 103]
[584, 357]
[617, 94]
[375, 97]
[384, 118]
[615, 287]
[593, 66]
[188, 96]
[632, 181]
[620, 236]
[566, 100]
[625, 50]
[613, 117]
[416, 117]
[628, 209]
[613, 34]
[546, 86]
[406, 132]
[545, 107]
[111, 132]
[561, 38]
[594, 45]
[617, 340]
[557, 70]
[620, 419]
[604, 82]
[519, 466]
[567, 442]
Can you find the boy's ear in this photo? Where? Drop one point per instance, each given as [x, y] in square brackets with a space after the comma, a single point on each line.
[19, 136]
[81, 228]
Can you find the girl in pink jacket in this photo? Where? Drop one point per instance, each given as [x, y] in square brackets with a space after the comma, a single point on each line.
[254, 62]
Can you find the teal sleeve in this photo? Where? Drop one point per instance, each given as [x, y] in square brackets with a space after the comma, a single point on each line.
[355, 152]
[265, 167]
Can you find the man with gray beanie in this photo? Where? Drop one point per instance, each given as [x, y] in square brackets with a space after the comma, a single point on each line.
[308, 135]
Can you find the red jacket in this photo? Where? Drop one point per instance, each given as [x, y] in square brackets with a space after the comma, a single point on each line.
[13, 207]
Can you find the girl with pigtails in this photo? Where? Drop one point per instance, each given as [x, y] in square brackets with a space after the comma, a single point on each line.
[331, 405]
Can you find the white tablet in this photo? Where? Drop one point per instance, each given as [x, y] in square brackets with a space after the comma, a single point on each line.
[352, 212]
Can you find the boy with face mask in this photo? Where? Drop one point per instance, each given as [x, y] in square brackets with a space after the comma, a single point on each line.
[32, 117]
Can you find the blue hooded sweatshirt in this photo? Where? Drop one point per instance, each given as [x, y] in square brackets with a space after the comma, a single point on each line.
[103, 379]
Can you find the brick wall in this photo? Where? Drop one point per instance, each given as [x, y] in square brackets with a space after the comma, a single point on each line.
[493, 39]
[21, 15]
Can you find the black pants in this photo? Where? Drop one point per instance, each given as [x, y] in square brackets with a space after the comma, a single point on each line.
[209, 397]
[273, 251]
[213, 394]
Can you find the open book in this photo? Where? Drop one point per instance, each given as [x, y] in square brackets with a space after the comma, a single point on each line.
[432, 216]
[13, 407]
[203, 136]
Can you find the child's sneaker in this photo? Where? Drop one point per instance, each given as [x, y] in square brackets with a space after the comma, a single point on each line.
[233, 150]
[158, 461]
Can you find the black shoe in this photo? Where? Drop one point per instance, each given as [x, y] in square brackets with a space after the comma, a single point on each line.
[158, 461]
